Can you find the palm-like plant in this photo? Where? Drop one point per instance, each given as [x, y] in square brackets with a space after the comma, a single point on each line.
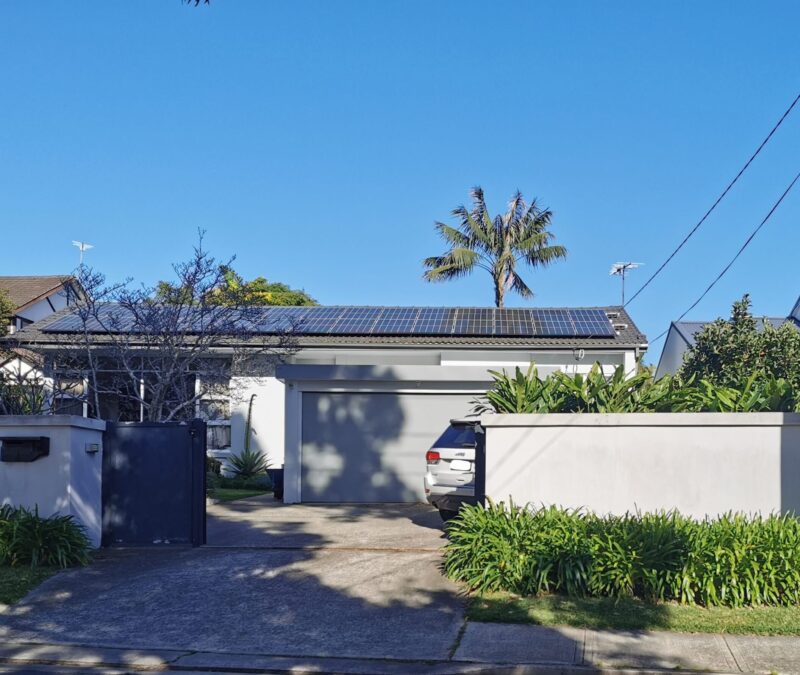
[496, 244]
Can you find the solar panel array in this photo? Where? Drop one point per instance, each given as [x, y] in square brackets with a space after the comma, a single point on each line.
[439, 321]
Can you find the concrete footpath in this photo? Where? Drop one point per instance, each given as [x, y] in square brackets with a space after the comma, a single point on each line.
[481, 648]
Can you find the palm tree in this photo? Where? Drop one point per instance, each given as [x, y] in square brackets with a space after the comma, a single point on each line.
[496, 244]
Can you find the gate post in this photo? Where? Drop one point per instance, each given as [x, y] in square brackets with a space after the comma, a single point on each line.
[197, 431]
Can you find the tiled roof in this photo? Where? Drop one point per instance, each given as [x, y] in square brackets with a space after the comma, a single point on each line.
[24, 290]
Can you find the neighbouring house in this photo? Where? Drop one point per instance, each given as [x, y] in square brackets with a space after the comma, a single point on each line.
[681, 338]
[36, 297]
[365, 391]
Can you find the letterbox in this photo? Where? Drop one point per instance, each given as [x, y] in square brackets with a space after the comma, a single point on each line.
[24, 449]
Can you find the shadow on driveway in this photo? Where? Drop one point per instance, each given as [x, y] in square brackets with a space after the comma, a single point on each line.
[264, 522]
[326, 581]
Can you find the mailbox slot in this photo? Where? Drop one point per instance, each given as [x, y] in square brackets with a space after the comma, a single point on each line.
[27, 449]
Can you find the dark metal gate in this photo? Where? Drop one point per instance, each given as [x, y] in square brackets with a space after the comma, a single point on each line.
[154, 483]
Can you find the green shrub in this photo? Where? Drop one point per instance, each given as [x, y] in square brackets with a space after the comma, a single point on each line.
[28, 539]
[732, 561]
[640, 392]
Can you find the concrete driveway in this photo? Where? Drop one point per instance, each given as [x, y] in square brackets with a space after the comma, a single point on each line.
[343, 581]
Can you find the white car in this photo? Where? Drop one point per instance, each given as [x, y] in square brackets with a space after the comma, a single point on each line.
[450, 478]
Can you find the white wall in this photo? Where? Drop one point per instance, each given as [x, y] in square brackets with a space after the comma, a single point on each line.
[699, 463]
[45, 307]
[268, 416]
[67, 481]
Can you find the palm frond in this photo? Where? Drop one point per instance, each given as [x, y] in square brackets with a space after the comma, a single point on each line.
[452, 236]
[516, 211]
[457, 262]
[542, 257]
[518, 285]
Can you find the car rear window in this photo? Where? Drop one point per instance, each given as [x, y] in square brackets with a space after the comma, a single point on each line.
[456, 436]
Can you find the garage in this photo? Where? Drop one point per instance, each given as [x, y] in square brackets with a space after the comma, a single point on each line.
[370, 447]
[359, 434]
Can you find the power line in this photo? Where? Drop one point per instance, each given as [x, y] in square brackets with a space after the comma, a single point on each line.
[738, 253]
[718, 200]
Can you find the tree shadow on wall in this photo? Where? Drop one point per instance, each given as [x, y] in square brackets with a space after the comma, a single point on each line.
[344, 457]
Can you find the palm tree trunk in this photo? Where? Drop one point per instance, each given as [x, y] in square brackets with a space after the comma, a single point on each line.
[499, 290]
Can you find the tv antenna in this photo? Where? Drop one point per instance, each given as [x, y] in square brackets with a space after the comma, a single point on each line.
[620, 269]
[82, 247]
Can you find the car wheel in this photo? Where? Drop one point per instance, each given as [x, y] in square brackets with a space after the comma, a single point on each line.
[447, 515]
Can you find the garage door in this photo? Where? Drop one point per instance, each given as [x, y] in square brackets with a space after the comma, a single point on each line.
[371, 447]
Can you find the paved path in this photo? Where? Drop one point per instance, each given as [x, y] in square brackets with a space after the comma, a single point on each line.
[483, 648]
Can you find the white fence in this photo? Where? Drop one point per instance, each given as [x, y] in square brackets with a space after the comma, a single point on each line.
[699, 463]
[68, 480]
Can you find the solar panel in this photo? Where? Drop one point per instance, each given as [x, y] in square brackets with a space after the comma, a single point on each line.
[478, 321]
[513, 322]
[442, 321]
[435, 321]
[356, 321]
[552, 322]
[396, 321]
[591, 322]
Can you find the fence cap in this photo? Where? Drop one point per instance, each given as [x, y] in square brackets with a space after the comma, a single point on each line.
[35, 421]
[705, 419]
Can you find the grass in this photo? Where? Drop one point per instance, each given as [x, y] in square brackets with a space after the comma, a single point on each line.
[231, 494]
[606, 613]
[15, 582]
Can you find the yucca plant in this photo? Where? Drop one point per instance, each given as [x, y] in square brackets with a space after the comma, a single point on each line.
[249, 464]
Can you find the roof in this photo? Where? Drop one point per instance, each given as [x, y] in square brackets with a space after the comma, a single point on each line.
[28, 289]
[626, 335]
[688, 329]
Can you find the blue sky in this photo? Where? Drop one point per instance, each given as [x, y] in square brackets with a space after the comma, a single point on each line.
[318, 141]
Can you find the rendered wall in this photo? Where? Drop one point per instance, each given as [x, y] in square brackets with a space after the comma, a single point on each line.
[67, 481]
[699, 463]
[267, 422]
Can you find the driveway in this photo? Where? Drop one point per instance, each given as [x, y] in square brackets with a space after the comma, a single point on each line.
[339, 581]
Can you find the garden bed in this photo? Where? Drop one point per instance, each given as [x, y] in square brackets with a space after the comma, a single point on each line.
[731, 561]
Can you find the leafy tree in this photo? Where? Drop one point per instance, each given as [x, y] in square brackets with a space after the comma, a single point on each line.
[496, 245]
[728, 351]
[6, 312]
[231, 288]
[259, 291]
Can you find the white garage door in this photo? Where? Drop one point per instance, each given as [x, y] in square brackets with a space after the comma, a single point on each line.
[370, 447]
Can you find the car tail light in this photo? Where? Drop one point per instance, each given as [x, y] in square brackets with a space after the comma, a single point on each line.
[432, 457]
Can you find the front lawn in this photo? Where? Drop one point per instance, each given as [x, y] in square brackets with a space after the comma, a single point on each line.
[15, 582]
[232, 494]
[610, 614]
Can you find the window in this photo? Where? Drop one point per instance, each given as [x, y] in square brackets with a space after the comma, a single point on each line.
[214, 407]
